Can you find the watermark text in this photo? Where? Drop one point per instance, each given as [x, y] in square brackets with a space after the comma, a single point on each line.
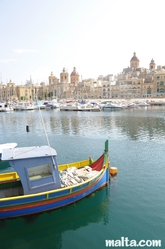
[125, 242]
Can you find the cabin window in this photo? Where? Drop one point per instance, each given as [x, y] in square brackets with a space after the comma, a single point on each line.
[38, 172]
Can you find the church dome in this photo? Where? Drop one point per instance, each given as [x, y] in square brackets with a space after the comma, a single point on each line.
[74, 73]
[134, 58]
[152, 61]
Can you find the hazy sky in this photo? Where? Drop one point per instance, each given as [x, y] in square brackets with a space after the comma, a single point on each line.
[98, 37]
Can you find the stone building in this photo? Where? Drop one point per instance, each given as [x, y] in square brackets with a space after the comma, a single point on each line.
[74, 77]
[159, 81]
[133, 82]
[8, 92]
[43, 91]
[136, 81]
[106, 90]
[53, 85]
[64, 76]
[134, 62]
[64, 89]
[28, 92]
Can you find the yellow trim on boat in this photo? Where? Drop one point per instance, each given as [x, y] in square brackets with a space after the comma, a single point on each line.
[13, 175]
[74, 164]
[54, 191]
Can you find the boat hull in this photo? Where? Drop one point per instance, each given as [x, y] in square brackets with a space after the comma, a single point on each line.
[47, 201]
[112, 108]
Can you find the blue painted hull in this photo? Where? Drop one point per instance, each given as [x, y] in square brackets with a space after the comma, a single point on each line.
[38, 203]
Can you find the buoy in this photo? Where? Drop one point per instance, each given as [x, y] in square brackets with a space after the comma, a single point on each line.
[27, 128]
[113, 171]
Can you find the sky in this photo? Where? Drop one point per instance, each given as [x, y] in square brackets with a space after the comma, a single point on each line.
[98, 37]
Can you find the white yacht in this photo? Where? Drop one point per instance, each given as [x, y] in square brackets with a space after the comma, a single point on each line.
[112, 106]
[24, 106]
[6, 107]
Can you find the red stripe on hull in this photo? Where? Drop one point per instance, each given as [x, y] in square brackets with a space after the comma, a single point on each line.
[56, 199]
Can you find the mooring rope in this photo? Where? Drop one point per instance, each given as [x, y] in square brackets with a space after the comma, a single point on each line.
[42, 121]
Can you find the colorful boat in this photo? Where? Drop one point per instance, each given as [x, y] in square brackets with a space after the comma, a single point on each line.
[40, 185]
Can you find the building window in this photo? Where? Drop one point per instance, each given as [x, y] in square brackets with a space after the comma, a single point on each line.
[149, 91]
[158, 77]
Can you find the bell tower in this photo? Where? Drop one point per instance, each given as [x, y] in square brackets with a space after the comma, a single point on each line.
[64, 76]
[52, 79]
[152, 64]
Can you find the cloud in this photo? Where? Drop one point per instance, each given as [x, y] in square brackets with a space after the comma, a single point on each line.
[7, 60]
[21, 50]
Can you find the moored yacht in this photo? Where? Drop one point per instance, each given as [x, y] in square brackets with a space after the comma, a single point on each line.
[24, 106]
[113, 106]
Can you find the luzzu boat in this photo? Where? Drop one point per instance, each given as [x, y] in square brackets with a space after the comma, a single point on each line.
[39, 184]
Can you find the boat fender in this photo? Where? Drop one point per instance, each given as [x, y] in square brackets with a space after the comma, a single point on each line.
[113, 171]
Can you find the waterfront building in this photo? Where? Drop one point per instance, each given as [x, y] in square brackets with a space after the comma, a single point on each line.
[147, 86]
[136, 81]
[159, 81]
[28, 91]
[129, 83]
[83, 89]
[89, 88]
[115, 91]
[106, 90]
[63, 89]
[43, 91]
[8, 92]
[133, 82]
[2, 92]
[53, 85]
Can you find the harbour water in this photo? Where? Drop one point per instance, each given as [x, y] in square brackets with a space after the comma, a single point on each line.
[131, 206]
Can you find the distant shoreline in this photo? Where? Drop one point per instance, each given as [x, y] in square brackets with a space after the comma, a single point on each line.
[147, 99]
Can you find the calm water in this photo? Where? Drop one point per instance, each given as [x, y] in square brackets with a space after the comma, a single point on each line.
[132, 206]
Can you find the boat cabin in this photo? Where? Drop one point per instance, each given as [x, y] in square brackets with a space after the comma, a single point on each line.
[6, 146]
[36, 166]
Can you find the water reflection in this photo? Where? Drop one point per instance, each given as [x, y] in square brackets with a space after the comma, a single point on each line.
[46, 230]
[142, 127]
[135, 124]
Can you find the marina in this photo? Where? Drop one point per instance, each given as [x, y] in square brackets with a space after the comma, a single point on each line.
[130, 206]
[82, 125]
[83, 105]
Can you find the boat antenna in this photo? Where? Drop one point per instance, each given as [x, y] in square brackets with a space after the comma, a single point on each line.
[42, 121]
